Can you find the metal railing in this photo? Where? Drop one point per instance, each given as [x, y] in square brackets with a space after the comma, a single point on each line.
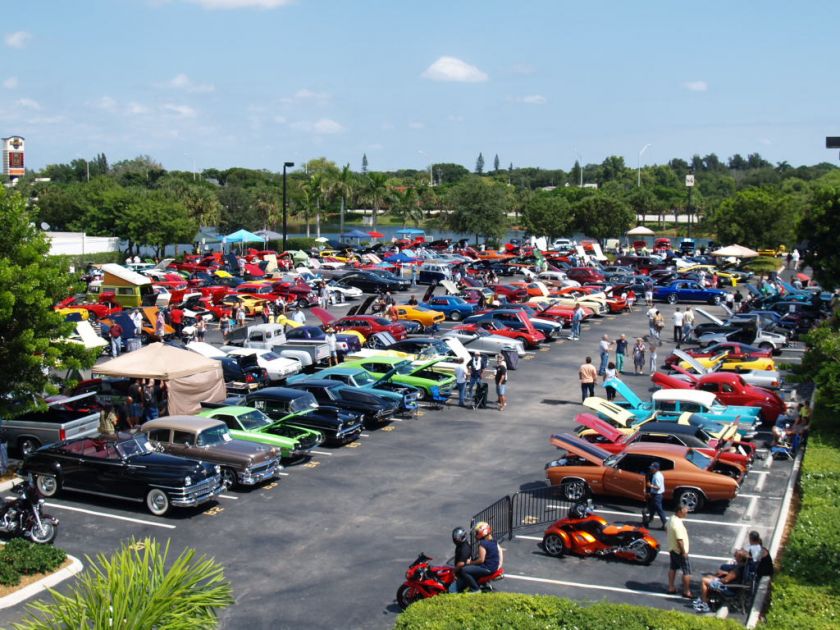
[526, 508]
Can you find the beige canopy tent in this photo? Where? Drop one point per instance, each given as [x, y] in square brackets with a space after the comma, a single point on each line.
[735, 251]
[641, 230]
[190, 377]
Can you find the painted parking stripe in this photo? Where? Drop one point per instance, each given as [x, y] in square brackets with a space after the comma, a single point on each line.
[662, 556]
[106, 515]
[321, 453]
[283, 474]
[364, 434]
[687, 520]
[596, 587]
[227, 496]
[758, 496]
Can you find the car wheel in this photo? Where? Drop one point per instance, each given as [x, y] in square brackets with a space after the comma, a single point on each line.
[574, 490]
[422, 394]
[27, 446]
[672, 298]
[715, 300]
[420, 324]
[553, 545]
[689, 497]
[157, 502]
[455, 316]
[228, 478]
[47, 485]
[766, 346]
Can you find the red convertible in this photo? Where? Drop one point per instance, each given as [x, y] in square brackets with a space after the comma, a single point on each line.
[730, 389]
[364, 324]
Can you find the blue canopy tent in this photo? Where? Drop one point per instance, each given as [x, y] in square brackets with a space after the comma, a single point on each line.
[243, 236]
[357, 234]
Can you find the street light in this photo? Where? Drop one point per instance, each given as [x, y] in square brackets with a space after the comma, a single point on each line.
[689, 183]
[285, 166]
[639, 164]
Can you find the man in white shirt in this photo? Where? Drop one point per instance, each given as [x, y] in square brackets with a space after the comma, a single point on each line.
[299, 316]
[651, 315]
[461, 380]
[678, 325]
[332, 344]
[136, 318]
[655, 491]
[605, 344]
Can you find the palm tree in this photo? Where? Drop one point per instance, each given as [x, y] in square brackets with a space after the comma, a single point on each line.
[307, 205]
[407, 206]
[376, 192]
[342, 185]
[316, 186]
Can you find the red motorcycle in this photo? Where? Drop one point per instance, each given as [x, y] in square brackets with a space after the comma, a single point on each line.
[424, 580]
[584, 534]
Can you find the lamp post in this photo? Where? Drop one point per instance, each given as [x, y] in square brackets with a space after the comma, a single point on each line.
[689, 183]
[639, 166]
[285, 166]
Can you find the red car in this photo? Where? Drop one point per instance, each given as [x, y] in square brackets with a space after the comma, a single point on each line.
[364, 324]
[531, 339]
[585, 274]
[105, 307]
[735, 350]
[297, 293]
[730, 389]
[510, 292]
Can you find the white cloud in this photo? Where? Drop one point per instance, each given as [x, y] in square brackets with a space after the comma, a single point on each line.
[696, 86]
[107, 103]
[416, 125]
[532, 99]
[280, 120]
[326, 126]
[374, 147]
[11, 83]
[28, 103]
[453, 69]
[184, 111]
[183, 82]
[241, 4]
[136, 109]
[17, 39]
[765, 141]
[386, 126]
[306, 95]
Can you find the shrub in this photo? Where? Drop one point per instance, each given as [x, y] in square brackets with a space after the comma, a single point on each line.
[546, 612]
[20, 557]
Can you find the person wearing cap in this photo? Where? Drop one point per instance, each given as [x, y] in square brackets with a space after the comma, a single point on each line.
[332, 344]
[654, 489]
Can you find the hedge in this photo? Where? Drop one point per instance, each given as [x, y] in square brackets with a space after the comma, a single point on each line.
[20, 557]
[546, 612]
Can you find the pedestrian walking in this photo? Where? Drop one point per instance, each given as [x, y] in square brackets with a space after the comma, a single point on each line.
[332, 345]
[651, 315]
[678, 326]
[652, 347]
[200, 329]
[794, 258]
[135, 411]
[501, 377]
[413, 275]
[160, 325]
[729, 300]
[688, 323]
[116, 333]
[299, 316]
[620, 353]
[460, 380]
[577, 318]
[654, 493]
[240, 317]
[678, 546]
[649, 293]
[224, 326]
[323, 295]
[604, 345]
[266, 313]
[587, 375]
[609, 373]
[639, 356]
[658, 325]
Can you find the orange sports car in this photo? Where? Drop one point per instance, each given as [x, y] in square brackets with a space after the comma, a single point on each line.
[690, 476]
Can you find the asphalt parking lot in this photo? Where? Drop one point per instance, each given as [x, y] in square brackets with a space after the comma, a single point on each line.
[328, 544]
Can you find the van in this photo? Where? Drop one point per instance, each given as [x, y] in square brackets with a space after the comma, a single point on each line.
[128, 287]
[433, 273]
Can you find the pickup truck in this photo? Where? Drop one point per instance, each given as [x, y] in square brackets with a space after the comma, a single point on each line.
[64, 418]
[309, 352]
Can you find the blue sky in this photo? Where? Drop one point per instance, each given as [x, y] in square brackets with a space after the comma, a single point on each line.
[253, 83]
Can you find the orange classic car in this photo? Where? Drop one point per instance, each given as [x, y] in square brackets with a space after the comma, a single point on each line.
[690, 476]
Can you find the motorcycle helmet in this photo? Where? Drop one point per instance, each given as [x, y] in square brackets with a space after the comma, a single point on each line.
[483, 530]
[459, 535]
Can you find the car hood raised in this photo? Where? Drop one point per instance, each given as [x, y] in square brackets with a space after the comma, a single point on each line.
[604, 429]
[581, 448]
[615, 414]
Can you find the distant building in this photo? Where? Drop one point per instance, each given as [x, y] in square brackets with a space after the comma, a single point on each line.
[13, 163]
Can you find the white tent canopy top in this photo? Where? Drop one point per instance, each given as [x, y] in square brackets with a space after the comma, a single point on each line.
[735, 251]
[641, 230]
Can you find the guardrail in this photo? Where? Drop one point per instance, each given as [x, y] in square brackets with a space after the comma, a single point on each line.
[525, 508]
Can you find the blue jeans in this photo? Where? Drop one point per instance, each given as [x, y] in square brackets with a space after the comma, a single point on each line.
[469, 574]
[605, 358]
[575, 328]
[115, 346]
[475, 379]
[654, 506]
[462, 388]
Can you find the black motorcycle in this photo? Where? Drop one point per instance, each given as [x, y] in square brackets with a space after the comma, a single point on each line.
[23, 517]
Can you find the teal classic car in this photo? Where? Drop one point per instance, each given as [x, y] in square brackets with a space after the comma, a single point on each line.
[432, 384]
[404, 395]
[252, 425]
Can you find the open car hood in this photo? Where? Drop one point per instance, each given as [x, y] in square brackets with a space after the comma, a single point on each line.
[624, 391]
[322, 314]
[604, 429]
[450, 286]
[710, 317]
[613, 413]
[695, 365]
[581, 448]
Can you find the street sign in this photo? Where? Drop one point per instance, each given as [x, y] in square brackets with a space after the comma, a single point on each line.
[832, 142]
[689, 180]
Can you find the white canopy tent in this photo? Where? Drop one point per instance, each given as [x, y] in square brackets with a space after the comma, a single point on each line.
[735, 251]
[640, 230]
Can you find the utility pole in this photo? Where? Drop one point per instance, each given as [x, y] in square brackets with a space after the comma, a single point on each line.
[689, 183]
[285, 166]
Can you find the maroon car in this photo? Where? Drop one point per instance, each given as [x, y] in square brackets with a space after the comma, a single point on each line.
[585, 275]
[364, 324]
[510, 292]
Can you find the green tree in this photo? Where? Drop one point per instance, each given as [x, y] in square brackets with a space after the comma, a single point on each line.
[602, 215]
[364, 164]
[819, 229]
[575, 175]
[757, 217]
[547, 214]
[153, 218]
[377, 193]
[496, 163]
[449, 173]
[479, 165]
[138, 588]
[406, 206]
[200, 200]
[478, 206]
[30, 283]
[140, 171]
[342, 185]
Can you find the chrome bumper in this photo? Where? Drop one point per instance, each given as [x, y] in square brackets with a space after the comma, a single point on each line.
[259, 473]
[197, 494]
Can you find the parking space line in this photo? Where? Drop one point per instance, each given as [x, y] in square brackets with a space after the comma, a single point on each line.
[663, 555]
[227, 496]
[597, 587]
[687, 520]
[284, 474]
[106, 515]
[364, 434]
[321, 453]
[759, 486]
[760, 472]
[758, 496]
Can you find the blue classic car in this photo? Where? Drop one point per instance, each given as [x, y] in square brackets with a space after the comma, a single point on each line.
[404, 395]
[454, 307]
[672, 403]
[687, 291]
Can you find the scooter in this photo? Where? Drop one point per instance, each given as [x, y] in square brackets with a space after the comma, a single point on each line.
[584, 534]
[23, 517]
[424, 580]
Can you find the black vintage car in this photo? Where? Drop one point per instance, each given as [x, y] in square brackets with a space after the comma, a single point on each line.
[338, 426]
[331, 393]
[373, 283]
[123, 466]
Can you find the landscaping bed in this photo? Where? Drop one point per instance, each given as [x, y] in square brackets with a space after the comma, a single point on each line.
[23, 562]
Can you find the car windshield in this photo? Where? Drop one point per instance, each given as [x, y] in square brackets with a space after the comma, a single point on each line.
[303, 403]
[269, 356]
[213, 436]
[404, 368]
[698, 459]
[363, 378]
[254, 420]
[612, 460]
[382, 321]
[137, 446]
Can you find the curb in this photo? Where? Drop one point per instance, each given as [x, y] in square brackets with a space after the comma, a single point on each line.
[43, 584]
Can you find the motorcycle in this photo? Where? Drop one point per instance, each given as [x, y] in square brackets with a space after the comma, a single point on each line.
[23, 516]
[424, 580]
[584, 534]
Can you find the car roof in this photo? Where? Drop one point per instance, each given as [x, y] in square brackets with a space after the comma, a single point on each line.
[277, 392]
[684, 395]
[181, 423]
[668, 427]
[322, 382]
[235, 410]
[656, 448]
